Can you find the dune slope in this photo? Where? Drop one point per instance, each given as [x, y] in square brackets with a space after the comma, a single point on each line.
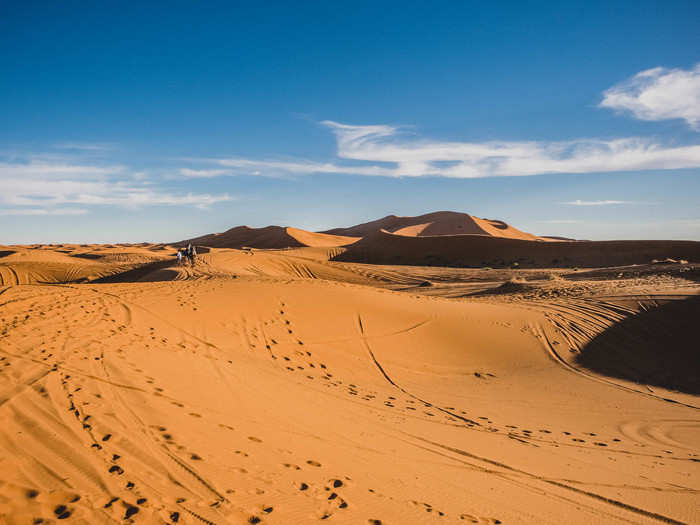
[436, 223]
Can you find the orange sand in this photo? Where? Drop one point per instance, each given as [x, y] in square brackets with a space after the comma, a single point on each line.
[280, 387]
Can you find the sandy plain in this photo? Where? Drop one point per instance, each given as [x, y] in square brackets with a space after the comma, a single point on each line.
[281, 386]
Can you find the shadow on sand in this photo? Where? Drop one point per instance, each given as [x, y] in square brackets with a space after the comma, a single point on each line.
[659, 347]
[150, 272]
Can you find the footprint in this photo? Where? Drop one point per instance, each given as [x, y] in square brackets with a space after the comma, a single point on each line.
[110, 502]
[61, 512]
[313, 463]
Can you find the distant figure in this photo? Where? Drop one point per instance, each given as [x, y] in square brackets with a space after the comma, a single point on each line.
[179, 257]
[193, 255]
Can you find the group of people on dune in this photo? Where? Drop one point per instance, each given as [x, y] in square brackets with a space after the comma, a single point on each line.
[190, 253]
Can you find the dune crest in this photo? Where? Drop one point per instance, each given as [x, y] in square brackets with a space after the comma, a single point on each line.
[269, 237]
[437, 224]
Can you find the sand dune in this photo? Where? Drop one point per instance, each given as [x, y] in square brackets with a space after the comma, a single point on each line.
[480, 251]
[270, 237]
[436, 223]
[71, 263]
[280, 387]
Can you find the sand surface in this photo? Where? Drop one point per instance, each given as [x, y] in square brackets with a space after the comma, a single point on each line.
[278, 386]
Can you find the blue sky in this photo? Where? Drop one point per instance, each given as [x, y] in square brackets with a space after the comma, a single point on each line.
[158, 122]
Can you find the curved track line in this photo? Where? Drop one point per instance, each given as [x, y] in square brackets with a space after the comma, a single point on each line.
[399, 387]
[604, 499]
[554, 355]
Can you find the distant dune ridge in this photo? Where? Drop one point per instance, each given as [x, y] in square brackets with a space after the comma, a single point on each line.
[270, 237]
[431, 224]
[447, 238]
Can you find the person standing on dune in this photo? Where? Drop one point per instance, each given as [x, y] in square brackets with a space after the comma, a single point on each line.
[179, 257]
[193, 255]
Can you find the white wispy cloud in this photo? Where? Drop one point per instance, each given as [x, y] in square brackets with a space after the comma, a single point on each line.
[579, 202]
[45, 187]
[202, 173]
[659, 94]
[382, 150]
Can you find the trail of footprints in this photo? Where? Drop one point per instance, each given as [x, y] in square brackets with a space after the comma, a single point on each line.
[296, 360]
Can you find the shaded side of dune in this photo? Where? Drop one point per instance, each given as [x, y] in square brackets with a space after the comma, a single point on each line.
[477, 251]
[155, 271]
[659, 347]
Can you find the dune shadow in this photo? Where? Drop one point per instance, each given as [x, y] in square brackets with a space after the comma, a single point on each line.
[659, 347]
[149, 272]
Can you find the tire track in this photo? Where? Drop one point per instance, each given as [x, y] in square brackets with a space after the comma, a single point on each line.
[399, 387]
[604, 499]
[557, 358]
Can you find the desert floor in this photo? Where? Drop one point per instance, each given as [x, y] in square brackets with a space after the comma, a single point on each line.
[278, 387]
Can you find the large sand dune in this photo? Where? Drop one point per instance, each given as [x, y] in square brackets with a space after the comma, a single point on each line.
[280, 387]
[436, 223]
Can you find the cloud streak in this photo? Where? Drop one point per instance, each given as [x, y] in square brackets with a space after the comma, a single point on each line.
[579, 202]
[45, 187]
[659, 94]
[381, 150]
